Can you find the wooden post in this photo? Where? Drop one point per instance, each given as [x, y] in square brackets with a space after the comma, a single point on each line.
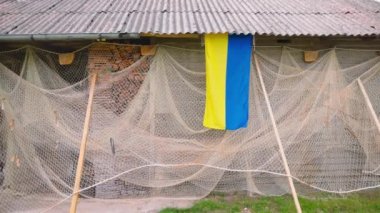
[278, 139]
[82, 151]
[369, 105]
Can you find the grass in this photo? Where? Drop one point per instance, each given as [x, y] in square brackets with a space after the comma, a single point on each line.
[360, 202]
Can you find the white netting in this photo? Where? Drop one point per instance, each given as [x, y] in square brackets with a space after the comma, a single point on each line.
[146, 135]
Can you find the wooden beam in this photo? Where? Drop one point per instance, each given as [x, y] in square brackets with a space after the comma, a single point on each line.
[369, 105]
[82, 151]
[278, 139]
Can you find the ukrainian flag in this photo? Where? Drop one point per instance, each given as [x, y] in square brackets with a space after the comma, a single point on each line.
[228, 59]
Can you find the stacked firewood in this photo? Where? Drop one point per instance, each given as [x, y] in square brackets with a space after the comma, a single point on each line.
[127, 88]
[112, 57]
[107, 58]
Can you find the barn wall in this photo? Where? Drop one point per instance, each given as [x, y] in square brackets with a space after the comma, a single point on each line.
[112, 57]
[320, 42]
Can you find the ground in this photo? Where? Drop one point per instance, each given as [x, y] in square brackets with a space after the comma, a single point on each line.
[368, 202]
[124, 206]
[359, 202]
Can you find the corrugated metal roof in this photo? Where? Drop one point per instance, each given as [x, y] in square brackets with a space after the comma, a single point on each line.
[273, 17]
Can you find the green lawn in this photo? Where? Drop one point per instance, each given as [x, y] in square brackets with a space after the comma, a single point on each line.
[361, 202]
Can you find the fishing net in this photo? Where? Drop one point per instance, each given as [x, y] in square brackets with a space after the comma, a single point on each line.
[146, 138]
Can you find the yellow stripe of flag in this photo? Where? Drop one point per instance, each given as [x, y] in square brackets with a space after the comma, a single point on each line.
[216, 68]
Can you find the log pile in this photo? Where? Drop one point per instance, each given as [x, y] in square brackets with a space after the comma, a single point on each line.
[108, 58]
[112, 57]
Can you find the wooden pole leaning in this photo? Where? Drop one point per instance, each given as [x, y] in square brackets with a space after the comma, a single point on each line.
[278, 139]
[369, 105]
[82, 151]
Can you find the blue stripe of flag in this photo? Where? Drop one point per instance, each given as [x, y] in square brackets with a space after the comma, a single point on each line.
[237, 81]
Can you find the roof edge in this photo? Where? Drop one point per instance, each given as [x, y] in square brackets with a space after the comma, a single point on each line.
[68, 37]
